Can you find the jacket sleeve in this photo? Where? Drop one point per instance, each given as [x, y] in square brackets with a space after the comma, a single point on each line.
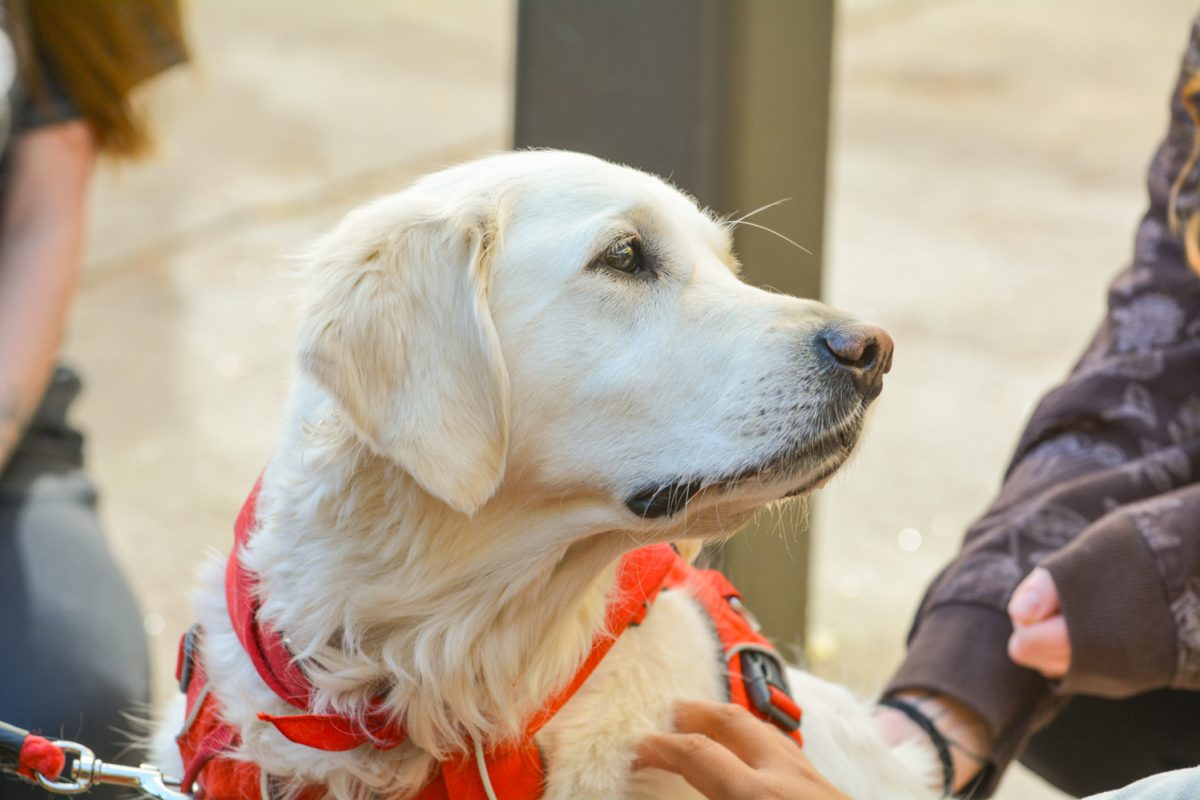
[1180, 784]
[1129, 591]
[1102, 490]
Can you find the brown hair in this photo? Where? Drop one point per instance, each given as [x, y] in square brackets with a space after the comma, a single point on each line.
[100, 50]
[1189, 229]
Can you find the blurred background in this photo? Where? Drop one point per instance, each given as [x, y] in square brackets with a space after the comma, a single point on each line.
[984, 177]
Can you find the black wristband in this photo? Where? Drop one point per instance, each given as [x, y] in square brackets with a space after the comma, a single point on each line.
[939, 742]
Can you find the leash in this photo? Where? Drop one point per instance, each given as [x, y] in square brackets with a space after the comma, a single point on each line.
[63, 767]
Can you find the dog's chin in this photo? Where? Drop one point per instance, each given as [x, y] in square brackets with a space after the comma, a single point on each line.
[792, 471]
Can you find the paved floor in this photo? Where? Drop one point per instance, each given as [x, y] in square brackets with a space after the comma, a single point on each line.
[985, 181]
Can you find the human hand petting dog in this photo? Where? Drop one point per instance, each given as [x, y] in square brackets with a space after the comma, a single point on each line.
[1039, 640]
[726, 753]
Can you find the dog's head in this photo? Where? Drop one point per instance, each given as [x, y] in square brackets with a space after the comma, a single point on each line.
[553, 327]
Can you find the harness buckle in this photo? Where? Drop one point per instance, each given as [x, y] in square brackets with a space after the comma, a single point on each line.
[767, 688]
[185, 665]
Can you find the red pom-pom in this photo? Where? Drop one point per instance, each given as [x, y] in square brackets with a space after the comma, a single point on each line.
[39, 755]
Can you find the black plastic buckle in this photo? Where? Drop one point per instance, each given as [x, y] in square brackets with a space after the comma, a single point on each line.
[760, 671]
[191, 641]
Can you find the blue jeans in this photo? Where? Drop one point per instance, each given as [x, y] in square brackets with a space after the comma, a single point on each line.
[73, 657]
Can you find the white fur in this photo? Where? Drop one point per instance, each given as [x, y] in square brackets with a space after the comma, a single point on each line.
[441, 520]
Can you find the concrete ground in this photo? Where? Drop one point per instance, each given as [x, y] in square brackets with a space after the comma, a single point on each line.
[986, 177]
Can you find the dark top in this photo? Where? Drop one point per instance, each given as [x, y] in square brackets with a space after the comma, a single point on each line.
[21, 114]
[1103, 491]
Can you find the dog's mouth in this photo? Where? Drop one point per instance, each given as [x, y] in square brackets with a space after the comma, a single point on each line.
[796, 469]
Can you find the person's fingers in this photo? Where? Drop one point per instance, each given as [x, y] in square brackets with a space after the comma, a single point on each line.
[1044, 646]
[747, 737]
[1035, 599]
[707, 766]
[726, 753]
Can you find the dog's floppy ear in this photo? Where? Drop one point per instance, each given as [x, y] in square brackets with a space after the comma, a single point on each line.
[400, 333]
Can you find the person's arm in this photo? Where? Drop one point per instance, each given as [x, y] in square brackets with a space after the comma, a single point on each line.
[41, 241]
[724, 753]
[1103, 455]
[966, 734]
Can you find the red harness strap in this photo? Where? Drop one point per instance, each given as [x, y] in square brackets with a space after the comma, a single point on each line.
[206, 739]
[514, 771]
[756, 678]
[276, 666]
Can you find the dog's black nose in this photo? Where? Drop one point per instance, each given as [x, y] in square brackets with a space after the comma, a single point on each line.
[861, 351]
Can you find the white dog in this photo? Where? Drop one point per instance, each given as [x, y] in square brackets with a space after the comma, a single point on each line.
[511, 374]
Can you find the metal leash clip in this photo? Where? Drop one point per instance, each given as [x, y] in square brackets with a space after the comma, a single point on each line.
[85, 771]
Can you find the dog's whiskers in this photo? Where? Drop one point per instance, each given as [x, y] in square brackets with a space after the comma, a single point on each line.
[774, 232]
[735, 222]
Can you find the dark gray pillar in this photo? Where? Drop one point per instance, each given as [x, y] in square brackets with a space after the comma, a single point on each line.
[730, 99]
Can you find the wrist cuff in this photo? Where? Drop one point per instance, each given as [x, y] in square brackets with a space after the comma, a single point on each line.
[1118, 615]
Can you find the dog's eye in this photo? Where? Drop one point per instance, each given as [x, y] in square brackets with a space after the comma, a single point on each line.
[623, 256]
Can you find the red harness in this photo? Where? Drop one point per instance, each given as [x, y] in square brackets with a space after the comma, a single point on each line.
[515, 772]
